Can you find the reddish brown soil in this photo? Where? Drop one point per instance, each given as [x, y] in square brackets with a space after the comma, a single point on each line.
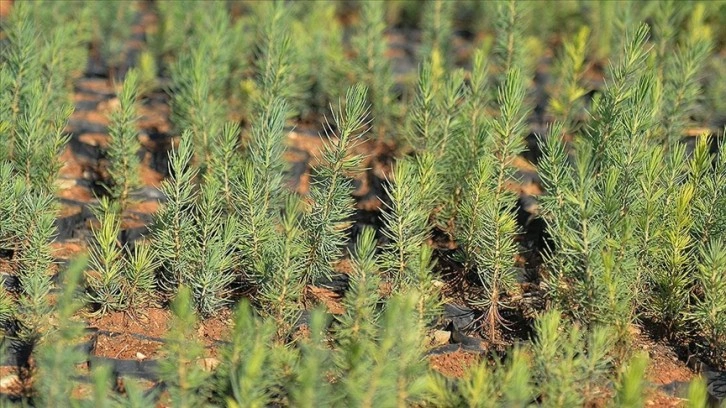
[5, 6]
[664, 368]
[326, 297]
[153, 322]
[126, 347]
[454, 364]
[10, 382]
[68, 249]
[76, 193]
[71, 169]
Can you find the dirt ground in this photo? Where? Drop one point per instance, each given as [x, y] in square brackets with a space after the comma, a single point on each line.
[137, 336]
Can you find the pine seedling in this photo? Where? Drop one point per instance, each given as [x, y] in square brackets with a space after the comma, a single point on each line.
[631, 387]
[470, 145]
[391, 372]
[195, 106]
[647, 213]
[119, 278]
[681, 87]
[35, 108]
[20, 68]
[173, 225]
[247, 359]
[356, 329]
[282, 273]
[213, 28]
[567, 363]
[226, 163]
[493, 253]
[258, 190]
[437, 36]
[672, 277]
[423, 112]
[507, 141]
[140, 274]
[327, 220]
[105, 279]
[516, 379]
[486, 226]
[580, 252]
[697, 393]
[477, 96]
[708, 177]
[176, 25]
[186, 381]
[278, 75]
[200, 81]
[398, 378]
[666, 20]
[373, 68]
[36, 153]
[311, 387]
[439, 129]
[435, 110]
[709, 309]
[619, 195]
[12, 188]
[509, 48]
[64, 54]
[625, 74]
[406, 219]
[254, 212]
[265, 150]
[111, 29]
[123, 144]
[211, 272]
[407, 258]
[566, 102]
[58, 353]
[323, 64]
[34, 262]
[101, 392]
[194, 238]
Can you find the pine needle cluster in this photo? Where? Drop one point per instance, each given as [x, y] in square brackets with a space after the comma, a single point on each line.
[112, 22]
[327, 219]
[123, 144]
[193, 236]
[120, 278]
[35, 75]
[373, 69]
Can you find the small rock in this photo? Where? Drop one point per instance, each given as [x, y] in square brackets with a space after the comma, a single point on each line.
[440, 337]
[9, 381]
[209, 363]
[634, 330]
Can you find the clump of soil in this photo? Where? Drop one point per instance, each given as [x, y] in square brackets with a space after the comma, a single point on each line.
[454, 365]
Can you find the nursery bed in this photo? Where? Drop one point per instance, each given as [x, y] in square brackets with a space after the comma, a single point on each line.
[132, 342]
